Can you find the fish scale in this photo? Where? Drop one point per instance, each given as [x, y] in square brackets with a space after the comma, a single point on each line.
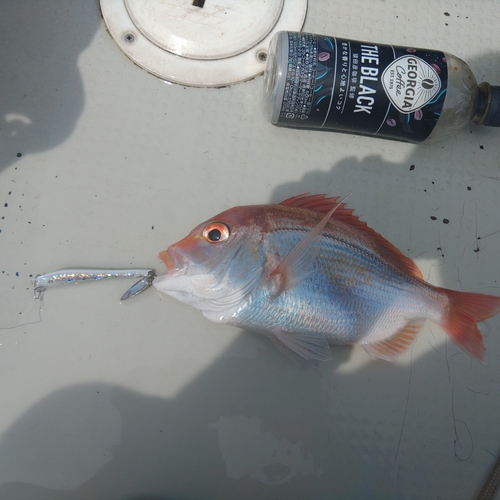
[331, 306]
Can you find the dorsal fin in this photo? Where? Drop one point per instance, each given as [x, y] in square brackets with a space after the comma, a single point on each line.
[320, 203]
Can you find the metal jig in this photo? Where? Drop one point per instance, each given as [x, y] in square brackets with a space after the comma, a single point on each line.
[140, 286]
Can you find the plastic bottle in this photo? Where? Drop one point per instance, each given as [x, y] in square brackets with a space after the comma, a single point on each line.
[401, 93]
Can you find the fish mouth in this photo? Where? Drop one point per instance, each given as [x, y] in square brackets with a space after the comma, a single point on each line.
[172, 259]
[167, 260]
[169, 282]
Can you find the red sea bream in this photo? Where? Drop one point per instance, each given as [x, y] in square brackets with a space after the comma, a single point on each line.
[308, 273]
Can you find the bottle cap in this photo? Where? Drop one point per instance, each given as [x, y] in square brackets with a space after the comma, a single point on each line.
[492, 114]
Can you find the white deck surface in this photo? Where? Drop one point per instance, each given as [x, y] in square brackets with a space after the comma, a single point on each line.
[104, 165]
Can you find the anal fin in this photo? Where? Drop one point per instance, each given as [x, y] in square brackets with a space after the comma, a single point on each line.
[391, 348]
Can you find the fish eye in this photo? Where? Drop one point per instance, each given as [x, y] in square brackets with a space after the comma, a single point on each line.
[216, 232]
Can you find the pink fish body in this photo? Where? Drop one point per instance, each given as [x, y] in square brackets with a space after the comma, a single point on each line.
[308, 273]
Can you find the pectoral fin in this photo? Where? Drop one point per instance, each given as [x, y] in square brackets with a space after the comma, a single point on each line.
[391, 348]
[305, 344]
[296, 265]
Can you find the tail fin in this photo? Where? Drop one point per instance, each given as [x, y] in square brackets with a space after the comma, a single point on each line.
[464, 311]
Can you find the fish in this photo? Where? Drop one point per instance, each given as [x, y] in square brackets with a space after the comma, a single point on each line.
[308, 274]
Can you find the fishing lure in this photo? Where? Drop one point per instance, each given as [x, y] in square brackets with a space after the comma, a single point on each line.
[83, 275]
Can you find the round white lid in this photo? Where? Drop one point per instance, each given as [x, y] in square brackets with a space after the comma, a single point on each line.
[201, 43]
[217, 30]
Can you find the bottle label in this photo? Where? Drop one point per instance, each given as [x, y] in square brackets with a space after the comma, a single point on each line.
[362, 88]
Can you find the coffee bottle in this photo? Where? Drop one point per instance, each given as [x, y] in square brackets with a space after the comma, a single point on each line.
[415, 95]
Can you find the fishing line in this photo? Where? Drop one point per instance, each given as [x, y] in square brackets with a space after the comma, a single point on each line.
[39, 299]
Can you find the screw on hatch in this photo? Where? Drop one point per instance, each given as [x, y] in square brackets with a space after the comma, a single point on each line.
[129, 37]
